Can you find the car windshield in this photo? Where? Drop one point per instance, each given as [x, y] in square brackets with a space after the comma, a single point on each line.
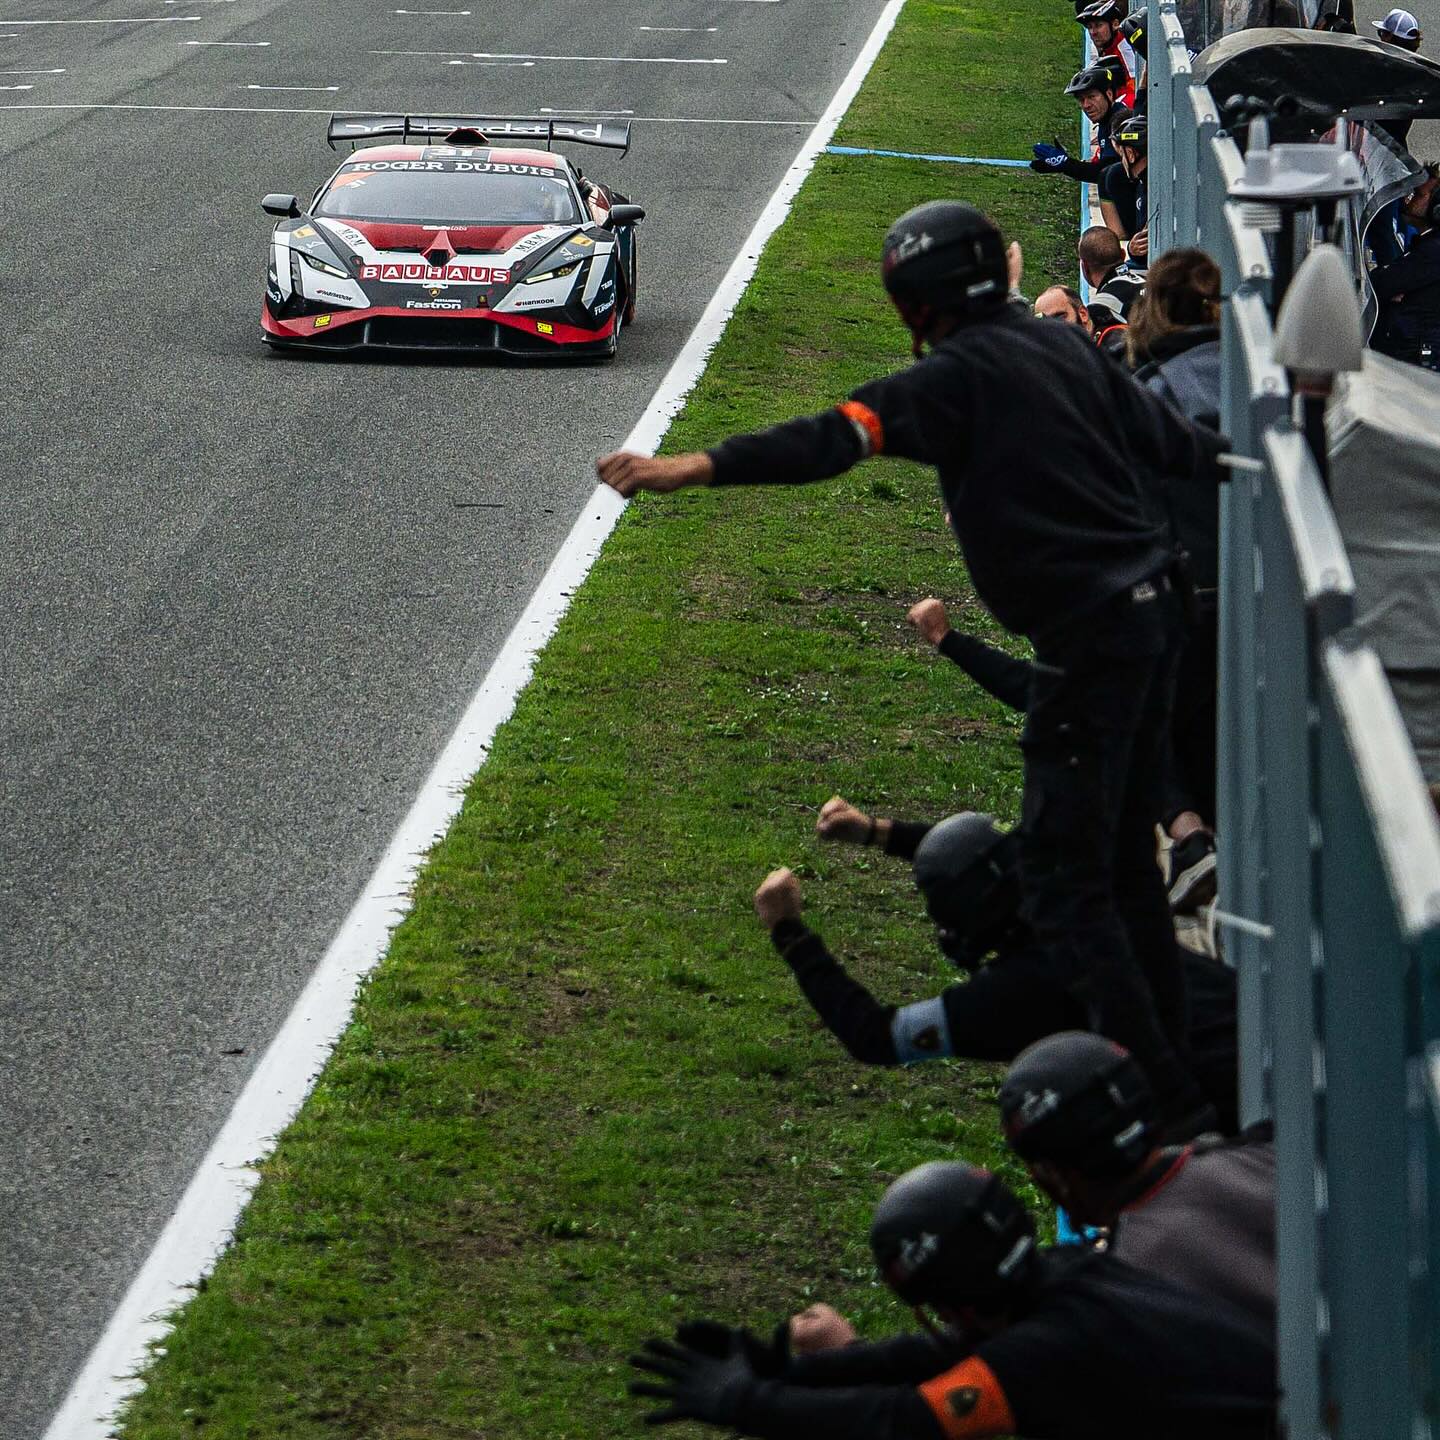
[449, 192]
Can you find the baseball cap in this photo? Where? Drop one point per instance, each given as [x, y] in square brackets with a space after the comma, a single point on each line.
[1399, 23]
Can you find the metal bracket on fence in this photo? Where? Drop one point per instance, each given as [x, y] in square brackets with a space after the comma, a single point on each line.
[1244, 926]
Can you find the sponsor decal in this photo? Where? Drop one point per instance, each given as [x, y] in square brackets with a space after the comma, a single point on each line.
[321, 321]
[543, 328]
[531, 242]
[335, 297]
[305, 232]
[542, 302]
[434, 304]
[273, 291]
[473, 167]
[581, 240]
[437, 274]
[604, 307]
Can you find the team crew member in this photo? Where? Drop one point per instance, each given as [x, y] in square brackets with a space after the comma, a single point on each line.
[1094, 90]
[1112, 283]
[965, 867]
[1077, 1110]
[1102, 21]
[1409, 289]
[1037, 1342]
[1063, 548]
[1123, 205]
[1060, 302]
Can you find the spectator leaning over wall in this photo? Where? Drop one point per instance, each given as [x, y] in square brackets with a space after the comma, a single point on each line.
[1114, 286]
[1409, 289]
[1040, 444]
[1123, 205]
[1102, 20]
[1062, 303]
[1094, 90]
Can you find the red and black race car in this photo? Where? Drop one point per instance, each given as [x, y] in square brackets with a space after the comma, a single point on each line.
[477, 243]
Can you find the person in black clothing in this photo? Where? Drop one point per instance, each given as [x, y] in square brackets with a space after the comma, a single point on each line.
[1112, 283]
[1078, 1111]
[1122, 189]
[966, 869]
[1051, 1344]
[1409, 289]
[1094, 90]
[1038, 441]
[1062, 303]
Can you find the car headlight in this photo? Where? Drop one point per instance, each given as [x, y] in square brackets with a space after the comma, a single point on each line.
[323, 266]
[553, 274]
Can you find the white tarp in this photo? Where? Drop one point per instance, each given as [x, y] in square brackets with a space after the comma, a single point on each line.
[1384, 427]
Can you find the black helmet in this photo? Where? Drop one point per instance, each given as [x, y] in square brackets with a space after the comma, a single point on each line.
[1132, 29]
[1092, 77]
[1132, 131]
[1099, 10]
[947, 256]
[1081, 1101]
[967, 871]
[950, 1233]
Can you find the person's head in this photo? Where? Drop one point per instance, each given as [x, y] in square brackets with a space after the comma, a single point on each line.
[1399, 28]
[1078, 1110]
[966, 869]
[1094, 91]
[1131, 139]
[1060, 302]
[1132, 30]
[1100, 252]
[944, 265]
[1102, 20]
[951, 1238]
[1182, 290]
[1421, 207]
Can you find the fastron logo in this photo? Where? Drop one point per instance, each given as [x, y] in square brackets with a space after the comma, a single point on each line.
[434, 304]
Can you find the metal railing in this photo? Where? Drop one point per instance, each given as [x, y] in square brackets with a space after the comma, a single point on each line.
[1329, 854]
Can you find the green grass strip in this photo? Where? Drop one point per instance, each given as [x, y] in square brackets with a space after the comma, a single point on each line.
[581, 1098]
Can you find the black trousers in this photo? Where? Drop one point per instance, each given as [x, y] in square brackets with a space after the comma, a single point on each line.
[1095, 741]
[1190, 768]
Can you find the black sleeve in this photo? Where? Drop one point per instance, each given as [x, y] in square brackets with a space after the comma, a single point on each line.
[1416, 271]
[850, 1012]
[777, 1411]
[905, 837]
[1085, 170]
[910, 415]
[997, 673]
[908, 1359]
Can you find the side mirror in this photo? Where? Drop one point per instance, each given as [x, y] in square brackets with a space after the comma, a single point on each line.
[285, 206]
[624, 215]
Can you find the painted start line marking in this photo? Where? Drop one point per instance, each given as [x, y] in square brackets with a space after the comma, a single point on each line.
[386, 109]
[607, 59]
[202, 1224]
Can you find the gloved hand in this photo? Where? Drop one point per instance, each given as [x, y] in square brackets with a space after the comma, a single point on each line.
[1048, 157]
[768, 1359]
[697, 1386]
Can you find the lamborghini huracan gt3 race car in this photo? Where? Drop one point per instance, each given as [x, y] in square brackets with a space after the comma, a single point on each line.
[470, 244]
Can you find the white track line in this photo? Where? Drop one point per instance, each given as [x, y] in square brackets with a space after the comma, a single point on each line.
[496, 64]
[604, 59]
[387, 109]
[31, 72]
[681, 29]
[310, 89]
[239, 44]
[205, 1218]
[16, 87]
[149, 20]
[432, 12]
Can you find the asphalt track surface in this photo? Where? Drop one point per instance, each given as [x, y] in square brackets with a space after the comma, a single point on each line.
[246, 597]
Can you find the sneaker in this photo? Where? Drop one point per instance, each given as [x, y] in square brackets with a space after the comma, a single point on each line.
[1192, 873]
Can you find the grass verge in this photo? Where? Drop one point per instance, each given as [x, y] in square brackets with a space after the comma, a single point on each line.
[581, 1098]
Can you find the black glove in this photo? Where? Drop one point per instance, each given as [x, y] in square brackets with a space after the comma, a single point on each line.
[769, 1360]
[713, 1388]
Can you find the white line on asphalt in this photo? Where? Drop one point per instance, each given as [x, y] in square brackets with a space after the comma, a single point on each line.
[16, 87]
[288, 110]
[432, 12]
[496, 64]
[551, 110]
[610, 59]
[313, 89]
[197, 1233]
[682, 29]
[149, 20]
[242, 44]
[31, 72]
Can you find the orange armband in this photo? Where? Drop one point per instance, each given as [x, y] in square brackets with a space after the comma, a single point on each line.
[968, 1402]
[867, 426]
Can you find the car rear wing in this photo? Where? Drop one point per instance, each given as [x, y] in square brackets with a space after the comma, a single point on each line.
[357, 129]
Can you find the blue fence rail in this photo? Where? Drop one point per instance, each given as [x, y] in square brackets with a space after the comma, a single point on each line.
[1329, 854]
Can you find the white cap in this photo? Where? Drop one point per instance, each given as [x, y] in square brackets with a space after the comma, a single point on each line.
[1399, 23]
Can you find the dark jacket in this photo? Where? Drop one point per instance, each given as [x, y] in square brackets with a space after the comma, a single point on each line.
[1409, 295]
